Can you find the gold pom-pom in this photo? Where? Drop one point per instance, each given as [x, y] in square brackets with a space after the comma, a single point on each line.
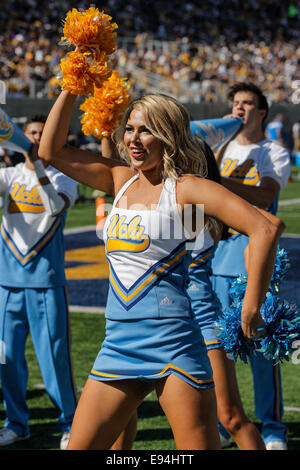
[81, 72]
[90, 29]
[103, 111]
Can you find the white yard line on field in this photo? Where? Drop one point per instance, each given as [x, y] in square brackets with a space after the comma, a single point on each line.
[292, 408]
[81, 309]
[289, 202]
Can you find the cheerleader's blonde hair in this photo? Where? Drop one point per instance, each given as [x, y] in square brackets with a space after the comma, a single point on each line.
[169, 121]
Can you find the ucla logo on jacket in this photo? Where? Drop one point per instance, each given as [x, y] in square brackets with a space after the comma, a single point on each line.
[25, 245]
[25, 200]
[245, 173]
[122, 236]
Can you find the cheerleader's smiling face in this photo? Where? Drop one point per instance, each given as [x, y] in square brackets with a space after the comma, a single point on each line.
[144, 149]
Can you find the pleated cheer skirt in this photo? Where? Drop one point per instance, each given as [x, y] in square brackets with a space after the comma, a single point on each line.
[149, 349]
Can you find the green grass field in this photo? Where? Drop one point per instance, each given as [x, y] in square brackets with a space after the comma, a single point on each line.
[153, 430]
[291, 214]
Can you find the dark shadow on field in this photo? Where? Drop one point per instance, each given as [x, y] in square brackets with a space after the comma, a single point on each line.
[43, 436]
[157, 434]
[31, 394]
[293, 435]
[150, 409]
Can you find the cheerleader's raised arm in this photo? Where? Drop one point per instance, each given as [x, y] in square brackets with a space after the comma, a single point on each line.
[83, 166]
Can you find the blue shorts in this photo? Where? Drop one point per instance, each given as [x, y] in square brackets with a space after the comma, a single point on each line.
[149, 349]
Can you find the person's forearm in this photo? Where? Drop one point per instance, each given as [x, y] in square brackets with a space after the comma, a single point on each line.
[262, 253]
[57, 126]
[279, 224]
[255, 195]
[261, 264]
[81, 165]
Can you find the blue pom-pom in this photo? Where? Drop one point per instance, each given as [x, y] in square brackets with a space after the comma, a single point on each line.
[238, 288]
[282, 322]
[231, 334]
[282, 325]
[281, 267]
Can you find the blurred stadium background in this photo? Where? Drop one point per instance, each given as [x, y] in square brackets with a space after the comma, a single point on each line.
[193, 50]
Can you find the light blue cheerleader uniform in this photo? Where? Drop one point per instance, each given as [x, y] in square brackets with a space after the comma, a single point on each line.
[205, 304]
[150, 329]
[33, 296]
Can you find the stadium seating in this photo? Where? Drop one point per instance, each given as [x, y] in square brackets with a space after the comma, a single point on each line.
[193, 50]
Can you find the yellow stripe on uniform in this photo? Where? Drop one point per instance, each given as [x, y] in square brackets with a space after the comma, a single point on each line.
[33, 252]
[171, 366]
[208, 343]
[101, 374]
[195, 263]
[15, 207]
[116, 244]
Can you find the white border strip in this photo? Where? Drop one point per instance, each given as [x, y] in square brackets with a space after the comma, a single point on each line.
[290, 235]
[82, 309]
[288, 202]
[86, 228]
[292, 408]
